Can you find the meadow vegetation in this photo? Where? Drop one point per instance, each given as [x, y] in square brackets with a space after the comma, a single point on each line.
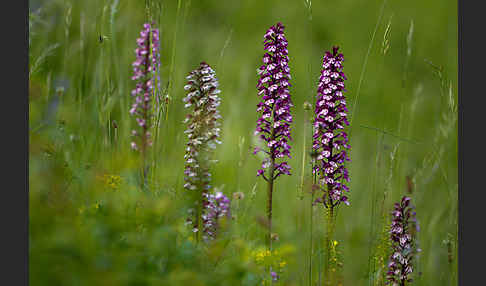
[96, 217]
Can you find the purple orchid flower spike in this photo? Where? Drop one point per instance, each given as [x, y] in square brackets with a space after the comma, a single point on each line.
[203, 132]
[145, 74]
[403, 230]
[330, 141]
[218, 206]
[273, 125]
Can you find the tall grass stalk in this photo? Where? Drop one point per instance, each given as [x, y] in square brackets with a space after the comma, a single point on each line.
[300, 195]
[158, 110]
[307, 121]
[378, 161]
[302, 187]
[381, 250]
[270, 199]
[186, 12]
[330, 273]
[115, 71]
[311, 210]
[172, 61]
[410, 113]
[67, 27]
[380, 165]
[363, 68]
[104, 81]
[433, 162]
[311, 230]
[225, 46]
[373, 199]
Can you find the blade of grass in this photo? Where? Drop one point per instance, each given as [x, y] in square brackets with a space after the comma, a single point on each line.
[172, 61]
[363, 68]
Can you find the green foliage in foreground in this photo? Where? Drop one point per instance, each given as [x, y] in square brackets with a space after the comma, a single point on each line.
[92, 224]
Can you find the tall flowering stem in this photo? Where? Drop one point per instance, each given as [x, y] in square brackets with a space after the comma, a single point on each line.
[273, 126]
[403, 231]
[145, 74]
[203, 133]
[330, 141]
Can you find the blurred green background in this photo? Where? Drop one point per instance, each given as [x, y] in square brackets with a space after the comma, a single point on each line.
[90, 224]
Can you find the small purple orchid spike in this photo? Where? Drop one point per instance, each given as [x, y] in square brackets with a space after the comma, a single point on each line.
[404, 226]
[145, 74]
[218, 206]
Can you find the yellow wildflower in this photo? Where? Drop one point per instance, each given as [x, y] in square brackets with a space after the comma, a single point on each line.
[260, 255]
[112, 181]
